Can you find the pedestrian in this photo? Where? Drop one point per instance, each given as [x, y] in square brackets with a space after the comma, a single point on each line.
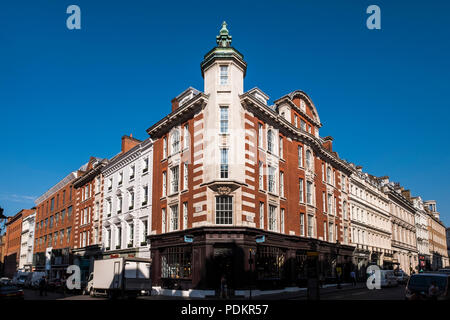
[321, 280]
[353, 277]
[223, 287]
[433, 291]
[43, 286]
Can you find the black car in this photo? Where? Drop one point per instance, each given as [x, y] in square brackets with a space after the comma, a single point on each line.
[9, 291]
[419, 284]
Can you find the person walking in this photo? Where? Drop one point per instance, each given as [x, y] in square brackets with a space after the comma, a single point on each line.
[223, 287]
[353, 277]
[43, 286]
[321, 280]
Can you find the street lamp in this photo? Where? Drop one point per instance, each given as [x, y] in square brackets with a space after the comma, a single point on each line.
[338, 269]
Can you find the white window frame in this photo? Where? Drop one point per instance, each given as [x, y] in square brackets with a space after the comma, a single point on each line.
[223, 74]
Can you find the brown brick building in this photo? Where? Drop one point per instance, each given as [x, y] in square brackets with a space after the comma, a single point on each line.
[54, 239]
[2, 253]
[13, 238]
[437, 237]
[229, 168]
[87, 221]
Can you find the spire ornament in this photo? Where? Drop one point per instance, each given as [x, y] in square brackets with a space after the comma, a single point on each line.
[223, 39]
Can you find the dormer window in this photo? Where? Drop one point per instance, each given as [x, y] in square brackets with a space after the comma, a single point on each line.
[302, 105]
[223, 75]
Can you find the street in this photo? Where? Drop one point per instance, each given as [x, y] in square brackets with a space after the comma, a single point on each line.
[393, 293]
[346, 293]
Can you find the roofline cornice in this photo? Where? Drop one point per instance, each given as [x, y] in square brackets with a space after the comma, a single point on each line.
[164, 125]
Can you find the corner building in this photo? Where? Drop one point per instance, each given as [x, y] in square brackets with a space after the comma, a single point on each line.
[228, 167]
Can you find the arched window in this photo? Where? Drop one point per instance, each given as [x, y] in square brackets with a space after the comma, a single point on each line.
[270, 141]
[308, 159]
[175, 141]
[328, 174]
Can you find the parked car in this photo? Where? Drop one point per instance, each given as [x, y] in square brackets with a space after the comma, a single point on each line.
[20, 279]
[9, 291]
[419, 284]
[401, 276]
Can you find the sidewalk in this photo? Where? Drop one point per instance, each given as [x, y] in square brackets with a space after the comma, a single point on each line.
[326, 289]
[298, 294]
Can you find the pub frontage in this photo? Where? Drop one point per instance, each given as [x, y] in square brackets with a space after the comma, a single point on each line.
[198, 258]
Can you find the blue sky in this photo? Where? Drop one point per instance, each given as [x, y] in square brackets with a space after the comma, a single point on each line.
[66, 95]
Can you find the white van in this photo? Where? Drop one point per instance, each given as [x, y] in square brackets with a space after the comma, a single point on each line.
[388, 278]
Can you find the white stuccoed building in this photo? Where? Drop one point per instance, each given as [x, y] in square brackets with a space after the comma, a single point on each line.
[422, 236]
[27, 243]
[127, 203]
[370, 220]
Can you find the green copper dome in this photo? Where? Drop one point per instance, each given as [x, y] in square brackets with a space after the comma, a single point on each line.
[223, 51]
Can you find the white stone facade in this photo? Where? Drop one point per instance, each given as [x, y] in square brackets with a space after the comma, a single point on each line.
[27, 243]
[127, 202]
[421, 221]
[370, 220]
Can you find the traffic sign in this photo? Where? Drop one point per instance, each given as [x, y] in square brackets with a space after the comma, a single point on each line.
[260, 239]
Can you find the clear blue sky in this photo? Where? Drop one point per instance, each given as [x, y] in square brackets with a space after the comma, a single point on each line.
[68, 95]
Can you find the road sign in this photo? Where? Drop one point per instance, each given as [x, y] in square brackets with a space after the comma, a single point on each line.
[188, 238]
[260, 239]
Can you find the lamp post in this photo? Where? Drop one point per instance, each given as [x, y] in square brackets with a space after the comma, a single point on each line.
[338, 268]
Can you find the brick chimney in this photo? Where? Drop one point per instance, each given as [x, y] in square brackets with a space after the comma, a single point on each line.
[128, 142]
[328, 143]
[407, 194]
[175, 104]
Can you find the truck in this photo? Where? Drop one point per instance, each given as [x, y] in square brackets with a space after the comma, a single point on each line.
[120, 277]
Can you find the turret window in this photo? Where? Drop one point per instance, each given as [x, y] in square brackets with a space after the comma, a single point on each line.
[223, 119]
[223, 75]
[224, 163]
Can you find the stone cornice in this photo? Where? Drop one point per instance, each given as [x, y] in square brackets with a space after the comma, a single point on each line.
[124, 159]
[68, 179]
[399, 198]
[174, 118]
